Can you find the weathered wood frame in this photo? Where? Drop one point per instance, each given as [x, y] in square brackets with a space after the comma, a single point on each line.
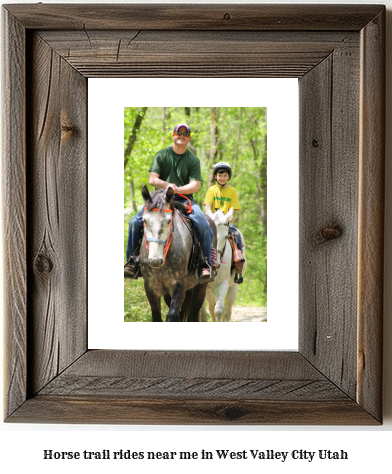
[337, 52]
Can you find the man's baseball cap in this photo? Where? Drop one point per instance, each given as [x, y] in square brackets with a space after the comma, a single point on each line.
[181, 125]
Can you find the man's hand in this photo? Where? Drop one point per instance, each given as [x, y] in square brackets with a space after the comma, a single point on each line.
[174, 187]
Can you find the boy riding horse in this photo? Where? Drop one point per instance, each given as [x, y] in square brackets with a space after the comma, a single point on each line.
[222, 196]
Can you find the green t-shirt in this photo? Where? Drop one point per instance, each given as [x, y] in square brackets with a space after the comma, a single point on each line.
[177, 169]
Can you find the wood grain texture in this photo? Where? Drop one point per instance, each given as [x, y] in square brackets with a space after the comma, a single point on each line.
[14, 212]
[192, 387]
[371, 215]
[194, 17]
[208, 375]
[57, 197]
[169, 411]
[195, 364]
[335, 378]
[329, 137]
[137, 53]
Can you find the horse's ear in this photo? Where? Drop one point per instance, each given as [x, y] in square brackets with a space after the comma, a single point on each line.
[229, 214]
[146, 194]
[169, 195]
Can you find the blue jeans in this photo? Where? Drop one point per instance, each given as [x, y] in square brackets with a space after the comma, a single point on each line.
[135, 232]
[234, 231]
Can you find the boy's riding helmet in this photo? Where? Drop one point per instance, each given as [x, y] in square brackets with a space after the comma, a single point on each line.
[222, 166]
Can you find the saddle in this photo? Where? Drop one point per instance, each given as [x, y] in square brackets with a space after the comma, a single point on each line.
[237, 261]
[197, 258]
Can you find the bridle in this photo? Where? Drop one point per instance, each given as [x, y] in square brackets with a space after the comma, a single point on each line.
[222, 252]
[166, 243]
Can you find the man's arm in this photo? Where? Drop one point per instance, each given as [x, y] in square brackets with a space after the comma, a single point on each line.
[189, 188]
[155, 181]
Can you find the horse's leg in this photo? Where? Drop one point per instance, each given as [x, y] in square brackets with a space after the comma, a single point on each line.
[173, 316]
[186, 306]
[155, 304]
[203, 316]
[220, 294]
[229, 301]
[210, 297]
[167, 299]
[198, 296]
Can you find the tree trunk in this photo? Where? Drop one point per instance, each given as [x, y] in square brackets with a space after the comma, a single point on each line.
[214, 142]
[261, 188]
[234, 164]
[261, 193]
[132, 138]
[132, 188]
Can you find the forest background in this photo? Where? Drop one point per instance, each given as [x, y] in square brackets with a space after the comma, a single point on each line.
[236, 135]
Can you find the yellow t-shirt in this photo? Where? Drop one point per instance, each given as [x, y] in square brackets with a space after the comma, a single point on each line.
[222, 198]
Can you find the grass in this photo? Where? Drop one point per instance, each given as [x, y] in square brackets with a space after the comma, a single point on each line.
[136, 306]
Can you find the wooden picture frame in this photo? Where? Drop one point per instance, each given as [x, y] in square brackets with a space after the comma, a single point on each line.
[338, 54]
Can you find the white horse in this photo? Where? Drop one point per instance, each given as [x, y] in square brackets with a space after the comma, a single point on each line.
[222, 292]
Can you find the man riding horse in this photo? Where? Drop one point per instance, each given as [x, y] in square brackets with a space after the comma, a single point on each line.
[178, 168]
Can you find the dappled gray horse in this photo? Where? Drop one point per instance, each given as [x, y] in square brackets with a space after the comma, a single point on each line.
[164, 257]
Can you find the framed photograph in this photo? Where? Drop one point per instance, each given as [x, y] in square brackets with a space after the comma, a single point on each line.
[279, 97]
[337, 53]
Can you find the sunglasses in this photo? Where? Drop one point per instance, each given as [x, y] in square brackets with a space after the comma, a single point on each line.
[180, 134]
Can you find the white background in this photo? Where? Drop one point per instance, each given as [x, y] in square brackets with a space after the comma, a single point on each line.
[21, 446]
[107, 329]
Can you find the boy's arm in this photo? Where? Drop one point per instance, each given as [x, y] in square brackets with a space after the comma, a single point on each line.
[209, 199]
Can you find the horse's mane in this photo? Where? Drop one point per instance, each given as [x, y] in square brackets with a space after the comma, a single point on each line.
[158, 200]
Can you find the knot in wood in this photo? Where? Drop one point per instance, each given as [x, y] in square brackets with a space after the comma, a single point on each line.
[43, 264]
[328, 233]
[69, 128]
[315, 143]
[227, 16]
[232, 413]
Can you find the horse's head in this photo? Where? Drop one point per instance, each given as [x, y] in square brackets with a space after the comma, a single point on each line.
[221, 221]
[158, 219]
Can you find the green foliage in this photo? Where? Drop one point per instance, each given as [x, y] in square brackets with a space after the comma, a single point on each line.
[241, 140]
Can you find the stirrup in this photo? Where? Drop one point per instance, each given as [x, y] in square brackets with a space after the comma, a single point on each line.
[131, 275]
[238, 278]
[203, 280]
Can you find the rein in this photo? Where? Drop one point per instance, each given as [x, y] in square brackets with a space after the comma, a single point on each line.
[222, 252]
[169, 237]
[189, 206]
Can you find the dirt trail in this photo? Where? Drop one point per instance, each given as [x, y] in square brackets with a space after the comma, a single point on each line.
[249, 314]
